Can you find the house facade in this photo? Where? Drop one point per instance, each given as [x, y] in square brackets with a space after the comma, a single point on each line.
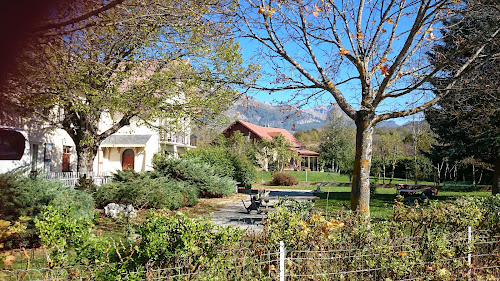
[49, 150]
[256, 133]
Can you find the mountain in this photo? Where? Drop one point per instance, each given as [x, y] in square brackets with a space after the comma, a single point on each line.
[267, 114]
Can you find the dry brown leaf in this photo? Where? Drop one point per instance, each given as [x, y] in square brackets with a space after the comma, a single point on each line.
[382, 60]
[315, 14]
[383, 30]
[262, 10]
[9, 260]
[385, 69]
[359, 34]
[390, 21]
[343, 51]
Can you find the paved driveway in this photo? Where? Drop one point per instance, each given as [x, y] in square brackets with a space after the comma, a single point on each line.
[234, 214]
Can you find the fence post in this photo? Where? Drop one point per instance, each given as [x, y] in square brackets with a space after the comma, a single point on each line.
[282, 260]
[469, 242]
[306, 175]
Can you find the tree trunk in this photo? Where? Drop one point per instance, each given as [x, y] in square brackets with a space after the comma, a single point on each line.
[392, 171]
[360, 194]
[474, 174]
[495, 187]
[383, 179]
[85, 158]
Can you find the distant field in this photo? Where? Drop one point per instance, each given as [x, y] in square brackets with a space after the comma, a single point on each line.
[337, 197]
[326, 177]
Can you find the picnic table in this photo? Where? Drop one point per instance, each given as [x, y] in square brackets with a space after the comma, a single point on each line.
[260, 202]
[421, 195]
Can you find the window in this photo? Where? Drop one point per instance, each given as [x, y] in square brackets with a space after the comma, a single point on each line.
[12, 144]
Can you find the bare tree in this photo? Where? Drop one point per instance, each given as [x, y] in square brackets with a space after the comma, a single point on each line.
[367, 55]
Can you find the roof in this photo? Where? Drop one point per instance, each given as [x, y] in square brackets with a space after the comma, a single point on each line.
[126, 141]
[268, 133]
[306, 152]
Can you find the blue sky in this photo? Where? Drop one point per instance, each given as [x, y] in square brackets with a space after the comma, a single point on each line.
[248, 53]
[326, 54]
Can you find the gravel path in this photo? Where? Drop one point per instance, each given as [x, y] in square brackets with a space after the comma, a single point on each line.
[234, 214]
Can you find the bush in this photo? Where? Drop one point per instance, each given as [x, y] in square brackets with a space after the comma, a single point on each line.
[23, 196]
[196, 173]
[142, 190]
[245, 172]
[168, 238]
[224, 163]
[217, 157]
[59, 230]
[284, 179]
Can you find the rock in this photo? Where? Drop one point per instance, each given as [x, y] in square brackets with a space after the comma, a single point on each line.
[114, 210]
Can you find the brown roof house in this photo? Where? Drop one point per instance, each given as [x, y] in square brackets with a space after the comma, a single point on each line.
[256, 133]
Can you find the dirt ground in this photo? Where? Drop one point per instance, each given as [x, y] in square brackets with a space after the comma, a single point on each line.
[231, 212]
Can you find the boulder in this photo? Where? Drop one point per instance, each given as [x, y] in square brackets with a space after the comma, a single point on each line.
[115, 210]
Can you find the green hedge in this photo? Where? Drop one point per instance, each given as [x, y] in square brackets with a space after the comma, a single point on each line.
[224, 163]
[196, 173]
[22, 196]
[144, 190]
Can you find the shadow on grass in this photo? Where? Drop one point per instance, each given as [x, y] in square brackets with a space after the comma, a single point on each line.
[380, 204]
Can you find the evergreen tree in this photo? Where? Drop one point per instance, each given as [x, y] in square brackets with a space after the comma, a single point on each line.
[467, 120]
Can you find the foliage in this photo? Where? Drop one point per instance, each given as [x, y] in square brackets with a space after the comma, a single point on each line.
[126, 68]
[9, 231]
[165, 238]
[216, 156]
[196, 173]
[245, 172]
[338, 144]
[283, 179]
[143, 190]
[273, 155]
[467, 120]
[27, 197]
[426, 240]
[61, 230]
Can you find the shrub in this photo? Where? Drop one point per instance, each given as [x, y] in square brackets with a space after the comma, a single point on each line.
[225, 163]
[167, 238]
[23, 196]
[59, 230]
[284, 179]
[217, 157]
[245, 172]
[144, 191]
[196, 173]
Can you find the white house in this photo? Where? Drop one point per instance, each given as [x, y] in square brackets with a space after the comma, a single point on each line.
[45, 149]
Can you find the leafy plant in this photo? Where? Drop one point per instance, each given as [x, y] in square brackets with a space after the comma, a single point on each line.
[196, 173]
[27, 197]
[143, 190]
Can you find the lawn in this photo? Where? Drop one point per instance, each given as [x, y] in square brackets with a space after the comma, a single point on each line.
[303, 176]
[335, 198]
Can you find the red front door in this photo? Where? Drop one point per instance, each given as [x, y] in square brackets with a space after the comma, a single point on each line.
[66, 160]
[128, 159]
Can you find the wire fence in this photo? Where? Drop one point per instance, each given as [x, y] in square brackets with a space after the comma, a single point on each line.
[454, 256]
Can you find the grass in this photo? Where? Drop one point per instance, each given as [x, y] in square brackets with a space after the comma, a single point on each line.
[329, 177]
[335, 198]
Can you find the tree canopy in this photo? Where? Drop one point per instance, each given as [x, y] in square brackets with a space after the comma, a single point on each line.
[467, 120]
[144, 60]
